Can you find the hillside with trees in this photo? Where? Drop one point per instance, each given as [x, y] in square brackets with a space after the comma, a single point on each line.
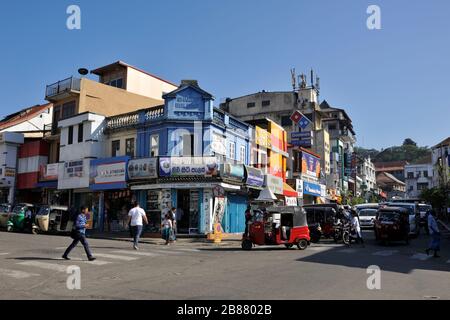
[408, 151]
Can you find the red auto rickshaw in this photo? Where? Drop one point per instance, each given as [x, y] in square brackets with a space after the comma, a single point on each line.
[276, 226]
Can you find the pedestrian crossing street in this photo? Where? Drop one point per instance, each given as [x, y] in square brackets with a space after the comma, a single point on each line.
[35, 267]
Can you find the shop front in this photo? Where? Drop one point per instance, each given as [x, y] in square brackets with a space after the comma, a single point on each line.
[311, 191]
[108, 181]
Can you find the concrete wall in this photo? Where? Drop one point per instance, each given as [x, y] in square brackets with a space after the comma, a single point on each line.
[108, 101]
[146, 85]
[35, 124]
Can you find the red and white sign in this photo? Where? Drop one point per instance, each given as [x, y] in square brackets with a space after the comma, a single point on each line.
[296, 116]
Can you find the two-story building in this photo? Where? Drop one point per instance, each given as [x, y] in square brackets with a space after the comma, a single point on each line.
[418, 177]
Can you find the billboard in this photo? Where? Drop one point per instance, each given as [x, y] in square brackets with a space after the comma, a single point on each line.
[310, 165]
[188, 166]
[143, 168]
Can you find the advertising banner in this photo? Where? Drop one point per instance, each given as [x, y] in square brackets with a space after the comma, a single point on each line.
[233, 172]
[10, 172]
[311, 189]
[310, 165]
[302, 139]
[143, 169]
[262, 138]
[276, 165]
[110, 173]
[188, 166]
[255, 177]
[274, 184]
[48, 172]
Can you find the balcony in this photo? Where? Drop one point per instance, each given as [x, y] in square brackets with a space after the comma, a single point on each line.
[133, 119]
[51, 130]
[62, 89]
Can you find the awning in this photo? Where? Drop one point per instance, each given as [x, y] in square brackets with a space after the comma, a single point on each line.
[266, 196]
[288, 191]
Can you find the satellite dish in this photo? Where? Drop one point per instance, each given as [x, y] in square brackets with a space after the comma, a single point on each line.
[83, 71]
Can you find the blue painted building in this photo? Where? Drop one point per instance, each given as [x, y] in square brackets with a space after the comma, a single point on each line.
[191, 156]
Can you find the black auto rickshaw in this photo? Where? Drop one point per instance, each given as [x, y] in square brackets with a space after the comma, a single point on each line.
[392, 224]
[321, 220]
[276, 226]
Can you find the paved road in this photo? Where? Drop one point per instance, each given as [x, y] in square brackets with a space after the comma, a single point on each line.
[31, 268]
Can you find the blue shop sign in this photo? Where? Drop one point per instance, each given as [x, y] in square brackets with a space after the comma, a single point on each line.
[255, 177]
[311, 189]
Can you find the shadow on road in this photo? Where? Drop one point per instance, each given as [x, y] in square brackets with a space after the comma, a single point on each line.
[35, 258]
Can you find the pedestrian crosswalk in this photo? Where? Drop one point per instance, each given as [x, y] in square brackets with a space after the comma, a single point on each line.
[36, 267]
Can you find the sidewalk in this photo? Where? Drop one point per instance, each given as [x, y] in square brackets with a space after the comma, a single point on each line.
[181, 239]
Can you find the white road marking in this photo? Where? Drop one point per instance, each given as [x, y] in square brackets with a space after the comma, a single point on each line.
[169, 251]
[16, 274]
[44, 265]
[61, 248]
[3, 253]
[113, 256]
[187, 250]
[420, 256]
[95, 262]
[138, 253]
[385, 253]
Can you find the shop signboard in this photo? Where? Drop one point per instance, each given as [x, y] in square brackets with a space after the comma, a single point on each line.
[188, 166]
[302, 139]
[310, 165]
[109, 173]
[73, 169]
[291, 201]
[255, 177]
[234, 172]
[48, 172]
[143, 168]
[311, 189]
[10, 172]
[275, 184]
[323, 190]
[299, 187]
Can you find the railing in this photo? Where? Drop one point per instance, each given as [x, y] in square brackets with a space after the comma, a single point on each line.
[219, 117]
[62, 86]
[133, 119]
[51, 129]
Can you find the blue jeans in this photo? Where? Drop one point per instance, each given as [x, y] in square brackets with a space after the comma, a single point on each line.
[435, 243]
[137, 230]
[80, 238]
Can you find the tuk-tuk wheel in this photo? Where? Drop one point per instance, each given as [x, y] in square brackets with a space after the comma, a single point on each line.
[34, 231]
[9, 228]
[247, 244]
[302, 244]
[289, 245]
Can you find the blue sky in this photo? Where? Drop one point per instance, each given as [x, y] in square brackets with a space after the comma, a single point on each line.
[392, 82]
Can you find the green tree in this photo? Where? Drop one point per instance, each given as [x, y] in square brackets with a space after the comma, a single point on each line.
[409, 142]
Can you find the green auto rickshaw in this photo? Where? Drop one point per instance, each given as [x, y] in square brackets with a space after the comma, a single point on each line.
[22, 218]
[5, 210]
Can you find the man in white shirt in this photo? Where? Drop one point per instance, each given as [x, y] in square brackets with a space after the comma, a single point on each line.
[136, 217]
[357, 227]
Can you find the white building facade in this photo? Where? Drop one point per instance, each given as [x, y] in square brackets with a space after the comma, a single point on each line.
[418, 177]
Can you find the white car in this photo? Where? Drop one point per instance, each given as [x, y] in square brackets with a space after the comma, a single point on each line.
[414, 215]
[367, 217]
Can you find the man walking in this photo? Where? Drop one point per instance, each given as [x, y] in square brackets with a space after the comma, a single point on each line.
[174, 222]
[79, 235]
[435, 235]
[136, 216]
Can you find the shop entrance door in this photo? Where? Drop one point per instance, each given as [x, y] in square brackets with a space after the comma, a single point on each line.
[187, 211]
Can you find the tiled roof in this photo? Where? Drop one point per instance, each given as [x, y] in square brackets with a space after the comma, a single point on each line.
[24, 115]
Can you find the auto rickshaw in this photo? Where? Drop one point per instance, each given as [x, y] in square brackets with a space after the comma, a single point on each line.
[5, 210]
[18, 220]
[321, 221]
[392, 224]
[276, 226]
[54, 218]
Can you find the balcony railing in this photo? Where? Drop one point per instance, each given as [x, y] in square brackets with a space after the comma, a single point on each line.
[51, 129]
[63, 86]
[133, 119]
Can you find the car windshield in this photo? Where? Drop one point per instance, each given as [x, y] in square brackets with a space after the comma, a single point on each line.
[368, 212]
[389, 216]
[424, 207]
[43, 211]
